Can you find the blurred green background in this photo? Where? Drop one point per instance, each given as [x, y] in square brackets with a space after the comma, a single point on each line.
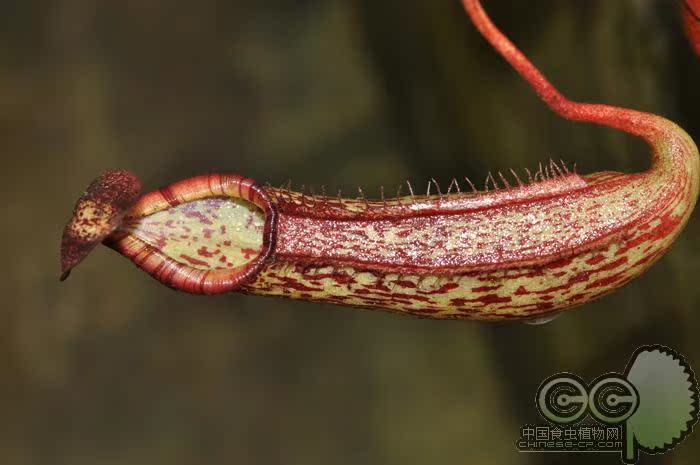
[110, 367]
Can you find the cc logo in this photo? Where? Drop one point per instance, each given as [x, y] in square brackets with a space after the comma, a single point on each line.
[565, 399]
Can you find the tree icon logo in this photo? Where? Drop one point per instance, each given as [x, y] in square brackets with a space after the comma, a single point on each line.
[651, 407]
[668, 406]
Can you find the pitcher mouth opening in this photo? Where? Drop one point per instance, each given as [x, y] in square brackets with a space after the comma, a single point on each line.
[206, 235]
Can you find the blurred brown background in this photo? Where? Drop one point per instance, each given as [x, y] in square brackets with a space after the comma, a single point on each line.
[112, 368]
